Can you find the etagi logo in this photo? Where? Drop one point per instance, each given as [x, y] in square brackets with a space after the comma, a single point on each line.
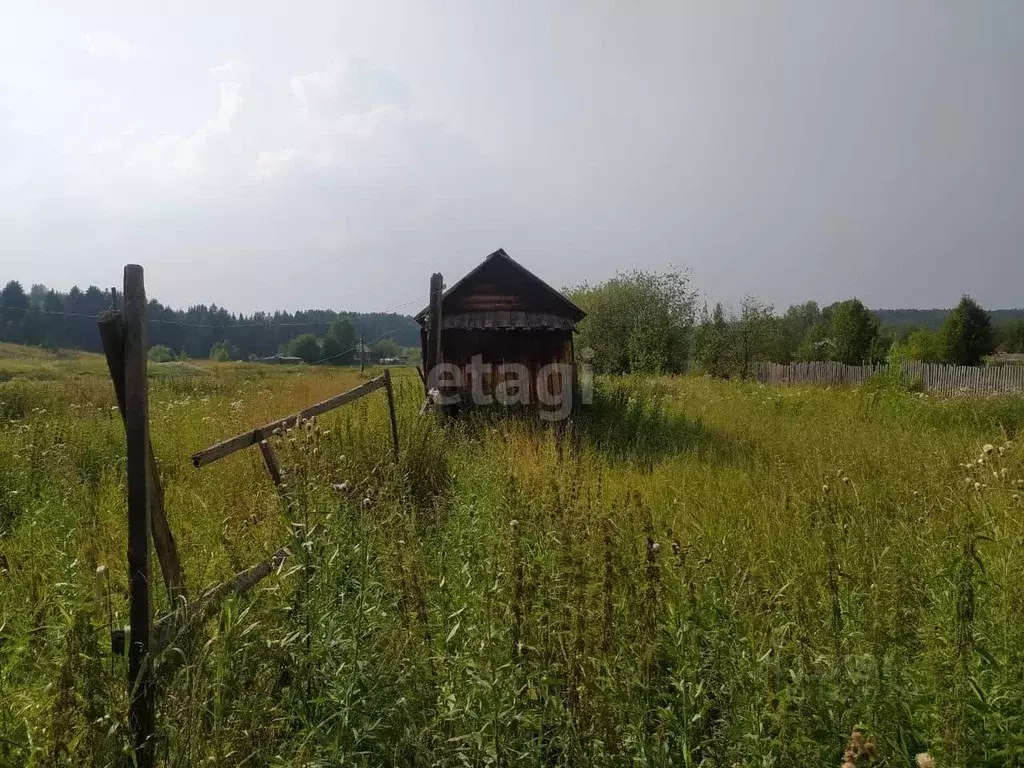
[552, 389]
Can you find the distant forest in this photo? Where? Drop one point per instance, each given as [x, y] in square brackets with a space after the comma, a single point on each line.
[660, 328]
[44, 317]
[932, 319]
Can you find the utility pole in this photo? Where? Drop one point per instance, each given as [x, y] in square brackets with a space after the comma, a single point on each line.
[362, 353]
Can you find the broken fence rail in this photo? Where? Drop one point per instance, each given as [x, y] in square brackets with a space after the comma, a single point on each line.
[258, 435]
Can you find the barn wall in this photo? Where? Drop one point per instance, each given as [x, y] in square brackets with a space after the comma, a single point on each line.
[532, 349]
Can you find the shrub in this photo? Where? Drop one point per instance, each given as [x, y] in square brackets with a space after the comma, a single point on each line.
[161, 353]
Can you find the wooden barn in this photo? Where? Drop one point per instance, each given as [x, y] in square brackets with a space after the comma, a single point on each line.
[495, 322]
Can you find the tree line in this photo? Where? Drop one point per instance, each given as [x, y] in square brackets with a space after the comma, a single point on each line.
[638, 321]
[45, 317]
[654, 323]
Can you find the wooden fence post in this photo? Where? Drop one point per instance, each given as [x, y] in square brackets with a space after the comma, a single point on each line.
[391, 410]
[270, 459]
[111, 326]
[434, 330]
[136, 424]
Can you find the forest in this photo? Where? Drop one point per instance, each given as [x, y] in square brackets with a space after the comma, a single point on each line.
[52, 319]
[638, 322]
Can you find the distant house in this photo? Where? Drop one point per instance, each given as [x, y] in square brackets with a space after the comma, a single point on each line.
[1006, 358]
[500, 315]
[282, 360]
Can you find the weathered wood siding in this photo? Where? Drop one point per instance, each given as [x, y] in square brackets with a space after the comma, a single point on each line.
[532, 349]
[500, 286]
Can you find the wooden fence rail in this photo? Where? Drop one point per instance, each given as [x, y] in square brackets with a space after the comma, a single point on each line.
[933, 377]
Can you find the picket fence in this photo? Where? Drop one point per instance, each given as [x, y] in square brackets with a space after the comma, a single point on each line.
[947, 379]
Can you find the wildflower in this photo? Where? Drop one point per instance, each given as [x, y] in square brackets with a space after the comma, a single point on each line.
[514, 524]
[846, 479]
[977, 486]
[367, 502]
[675, 547]
[101, 570]
[655, 547]
[1002, 450]
[824, 488]
[981, 460]
[924, 760]
[916, 494]
[987, 448]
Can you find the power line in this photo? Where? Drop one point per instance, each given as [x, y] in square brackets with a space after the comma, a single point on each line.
[357, 346]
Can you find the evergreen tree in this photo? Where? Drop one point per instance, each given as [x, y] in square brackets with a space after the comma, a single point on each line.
[13, 302]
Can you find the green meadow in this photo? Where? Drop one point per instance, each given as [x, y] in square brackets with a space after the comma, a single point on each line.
[689, 573]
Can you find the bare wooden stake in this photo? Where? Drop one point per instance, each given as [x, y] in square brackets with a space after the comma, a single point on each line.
[112, 335]
[136, 424]
[391, 410]
[270, 459]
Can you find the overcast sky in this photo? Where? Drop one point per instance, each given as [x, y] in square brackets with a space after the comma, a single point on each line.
[331, 154]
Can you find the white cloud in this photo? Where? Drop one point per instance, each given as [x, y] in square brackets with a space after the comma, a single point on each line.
[107, 46]
[350, 121]
[271, 163]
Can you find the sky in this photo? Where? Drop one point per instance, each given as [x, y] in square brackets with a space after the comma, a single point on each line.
[330, 154]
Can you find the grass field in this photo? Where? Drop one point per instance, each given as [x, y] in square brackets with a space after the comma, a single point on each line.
[695, 573]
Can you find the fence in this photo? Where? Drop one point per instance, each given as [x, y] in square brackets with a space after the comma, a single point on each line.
[946, 379]
[124, 342]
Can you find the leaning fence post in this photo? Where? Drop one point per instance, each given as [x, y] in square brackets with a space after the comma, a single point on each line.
[270, 459]
[136, 424]
[391, 410]
[112, 335]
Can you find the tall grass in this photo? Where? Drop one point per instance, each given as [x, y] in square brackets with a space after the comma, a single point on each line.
[692, 573]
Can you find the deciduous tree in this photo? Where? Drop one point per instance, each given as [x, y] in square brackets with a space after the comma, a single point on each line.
[966, 336]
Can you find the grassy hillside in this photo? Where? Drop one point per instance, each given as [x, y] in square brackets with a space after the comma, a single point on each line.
[697, 573]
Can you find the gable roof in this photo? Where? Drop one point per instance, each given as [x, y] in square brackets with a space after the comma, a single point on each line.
[499, 255]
